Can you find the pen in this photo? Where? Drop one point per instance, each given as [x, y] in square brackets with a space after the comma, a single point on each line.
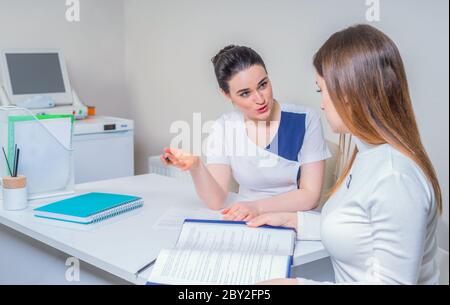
[145, 267]
[14, 161]
[16, 166]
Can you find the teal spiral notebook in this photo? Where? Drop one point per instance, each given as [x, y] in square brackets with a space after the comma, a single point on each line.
[89, 208]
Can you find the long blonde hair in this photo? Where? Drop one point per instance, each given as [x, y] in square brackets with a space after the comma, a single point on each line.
[367, 83]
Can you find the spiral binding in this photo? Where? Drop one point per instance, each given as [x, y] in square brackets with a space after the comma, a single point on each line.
[117, 210]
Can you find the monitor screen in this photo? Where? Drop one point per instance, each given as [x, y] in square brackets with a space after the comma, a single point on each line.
[35, 73]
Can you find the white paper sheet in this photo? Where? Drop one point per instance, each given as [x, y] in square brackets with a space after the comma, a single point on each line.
[174, 217]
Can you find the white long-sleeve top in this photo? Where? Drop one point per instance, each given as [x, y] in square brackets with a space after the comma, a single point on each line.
[379, 226]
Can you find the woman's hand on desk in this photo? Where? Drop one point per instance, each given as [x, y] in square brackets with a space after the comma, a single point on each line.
[241, 211]
[288, 220]
[179, 159]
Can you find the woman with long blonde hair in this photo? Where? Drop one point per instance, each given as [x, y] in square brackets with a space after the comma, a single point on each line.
[380, 221]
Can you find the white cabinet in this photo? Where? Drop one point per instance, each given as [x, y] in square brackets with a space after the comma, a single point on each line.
[103, 149]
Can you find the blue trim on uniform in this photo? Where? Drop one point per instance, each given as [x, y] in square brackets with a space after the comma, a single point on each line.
[290, 135]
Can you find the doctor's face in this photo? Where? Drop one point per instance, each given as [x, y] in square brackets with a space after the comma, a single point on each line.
[333, 118]
[251, 92]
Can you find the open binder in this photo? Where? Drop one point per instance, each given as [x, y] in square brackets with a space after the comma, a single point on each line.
[218, 252]
[46, 154]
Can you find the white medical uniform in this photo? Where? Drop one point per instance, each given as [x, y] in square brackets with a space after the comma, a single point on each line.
[380, 225]
[270, 171]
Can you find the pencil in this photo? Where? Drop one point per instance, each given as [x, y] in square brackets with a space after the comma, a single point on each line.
[7, 163]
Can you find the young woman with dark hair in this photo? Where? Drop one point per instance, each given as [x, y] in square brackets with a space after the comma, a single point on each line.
[275, 151]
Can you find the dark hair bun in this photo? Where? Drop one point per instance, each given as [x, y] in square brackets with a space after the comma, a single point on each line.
[231, 60]
[221, 52]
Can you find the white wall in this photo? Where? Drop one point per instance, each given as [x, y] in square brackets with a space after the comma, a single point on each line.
[169, 75]
[93, 48]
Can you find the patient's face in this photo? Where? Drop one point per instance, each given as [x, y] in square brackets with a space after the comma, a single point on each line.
[251, 93]
[333, 118]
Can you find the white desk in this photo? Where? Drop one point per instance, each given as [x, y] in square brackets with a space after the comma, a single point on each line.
[124, 244]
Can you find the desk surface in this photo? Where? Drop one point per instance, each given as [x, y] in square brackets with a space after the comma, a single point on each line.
[124, 244]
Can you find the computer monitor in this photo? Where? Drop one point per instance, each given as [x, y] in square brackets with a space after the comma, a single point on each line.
[27, 73]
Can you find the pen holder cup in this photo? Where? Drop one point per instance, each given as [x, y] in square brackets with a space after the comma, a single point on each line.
[15, 196]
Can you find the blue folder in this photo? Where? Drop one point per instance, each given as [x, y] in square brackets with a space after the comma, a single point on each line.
[232, 222]
[89, 208]
[289, 261]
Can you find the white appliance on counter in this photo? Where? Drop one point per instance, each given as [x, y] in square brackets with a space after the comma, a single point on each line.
[37, 79]
[103, 148]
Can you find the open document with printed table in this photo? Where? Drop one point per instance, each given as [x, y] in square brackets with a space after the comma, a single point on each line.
[225, 253]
